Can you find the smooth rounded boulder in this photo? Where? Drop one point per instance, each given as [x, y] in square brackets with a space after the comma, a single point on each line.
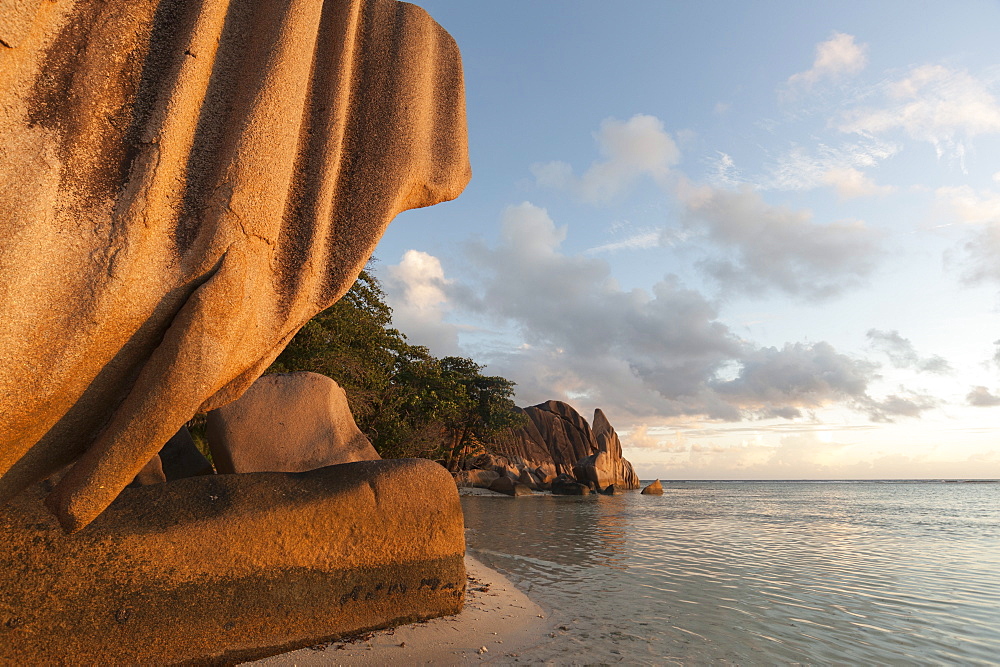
[654, 489]
[287, 422]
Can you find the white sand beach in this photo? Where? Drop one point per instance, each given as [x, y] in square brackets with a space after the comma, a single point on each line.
[497, 617]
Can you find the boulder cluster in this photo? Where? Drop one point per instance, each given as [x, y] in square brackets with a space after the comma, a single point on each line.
[555, 450]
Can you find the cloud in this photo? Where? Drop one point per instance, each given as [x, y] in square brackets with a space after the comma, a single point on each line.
[805, 456]
[963, 204]
[778, 248]
[905, 404]
[837, 57]
[983, 256]
[631, 149]
[643, 238]
[829, 166]
[651, 353]
[932, 103]
[777, 382]
[851, 183]
[981, 397]
[416, 290]
[903, 355]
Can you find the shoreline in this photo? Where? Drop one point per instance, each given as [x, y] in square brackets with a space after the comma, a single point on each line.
[496, 616]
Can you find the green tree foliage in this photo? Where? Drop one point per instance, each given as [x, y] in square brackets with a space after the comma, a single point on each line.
[408, 402]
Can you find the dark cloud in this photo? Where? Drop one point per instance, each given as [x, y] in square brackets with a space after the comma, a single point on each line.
[904, 404]
[903, 355]
[777, 383]
[981, 397]
[767, 247]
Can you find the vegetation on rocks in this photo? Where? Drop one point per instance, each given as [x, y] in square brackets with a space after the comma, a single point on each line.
[408, 402]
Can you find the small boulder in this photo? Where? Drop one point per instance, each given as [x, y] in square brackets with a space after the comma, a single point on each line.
[480, 479]
[612, 490]
[563, 487]
[509, 487]
[528, 479]
[503, 484]
[654, 489]
[287, 422]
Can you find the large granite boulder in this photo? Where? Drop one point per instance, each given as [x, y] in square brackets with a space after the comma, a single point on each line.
[606, 467]
[287, 422]
[557, 440]
[183, 186]
[225, 568]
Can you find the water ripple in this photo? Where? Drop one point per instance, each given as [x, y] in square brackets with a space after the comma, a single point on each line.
[756, 572]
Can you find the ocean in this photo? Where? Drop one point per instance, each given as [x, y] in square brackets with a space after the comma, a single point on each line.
[755, 572]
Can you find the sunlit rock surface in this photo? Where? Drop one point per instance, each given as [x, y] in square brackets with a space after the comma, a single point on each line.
[287, 422]
[224, 568]
[183, 186]
[558, 440]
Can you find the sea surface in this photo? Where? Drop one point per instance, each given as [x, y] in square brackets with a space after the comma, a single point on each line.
[860, 573]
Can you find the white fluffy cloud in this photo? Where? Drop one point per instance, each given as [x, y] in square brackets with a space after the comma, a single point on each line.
[963, 204]
[836, 58]
[932, 103]
[630, 150]
[416, 292]
[775, 247]
[980, 209]
[851, 183]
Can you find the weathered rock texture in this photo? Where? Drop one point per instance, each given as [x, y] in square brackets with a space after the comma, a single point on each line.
[606, 467]
[183, 186]
[287, 422]
[558, 440]
[178, 571]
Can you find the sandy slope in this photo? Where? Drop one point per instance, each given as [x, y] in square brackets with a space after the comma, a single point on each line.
[497, 617]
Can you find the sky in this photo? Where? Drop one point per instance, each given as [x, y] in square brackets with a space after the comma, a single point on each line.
[763, 237]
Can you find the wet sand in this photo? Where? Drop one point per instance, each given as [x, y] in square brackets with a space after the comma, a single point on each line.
[497, 617]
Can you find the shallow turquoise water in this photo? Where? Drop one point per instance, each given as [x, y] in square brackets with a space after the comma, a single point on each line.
[756, 572]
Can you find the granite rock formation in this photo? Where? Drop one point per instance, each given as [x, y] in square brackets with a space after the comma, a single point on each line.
[287, 422]
[655, 488]
[183, 186]
[179, 573]
[557, 440]
[606, 467]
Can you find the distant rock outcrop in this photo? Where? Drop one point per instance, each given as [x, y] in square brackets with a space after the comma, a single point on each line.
[653, 489]
[287, 422]
[557, 440]
[606, 467]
